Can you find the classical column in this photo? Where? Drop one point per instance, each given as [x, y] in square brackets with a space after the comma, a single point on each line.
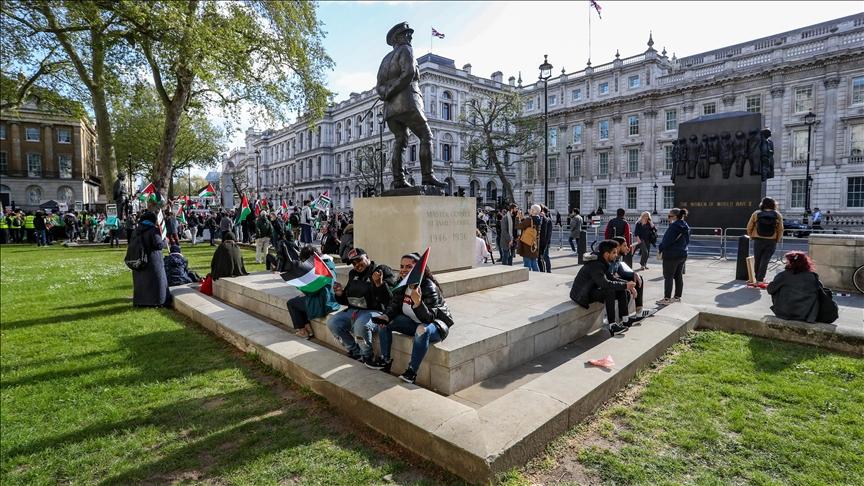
[49, 163]
[829, 122]
[588, 155]
[776, 123]
[16, 165]
[650, 138]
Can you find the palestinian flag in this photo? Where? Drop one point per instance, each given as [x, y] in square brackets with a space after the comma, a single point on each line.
[160, 225]
[149, 193]
[244, 210]
[309, 276]
[181, 215]
[322, 202]
[416, 275]
[284, 206]
[208, 191]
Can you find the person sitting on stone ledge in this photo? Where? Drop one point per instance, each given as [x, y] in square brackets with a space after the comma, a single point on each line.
[177, 268]
[417, 311]
[227, 260]
[304, 308]
[595, 283]
[795, 291]
[346, 242]
[619, 269]
[366, 295]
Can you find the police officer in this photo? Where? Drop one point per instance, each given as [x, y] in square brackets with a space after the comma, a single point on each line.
[29, 228]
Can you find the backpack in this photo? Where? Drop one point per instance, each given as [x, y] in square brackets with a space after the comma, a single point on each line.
[136, 255]
[766, 223]
[828, 310]
[618, 227]
[652, 235]
[529, 237]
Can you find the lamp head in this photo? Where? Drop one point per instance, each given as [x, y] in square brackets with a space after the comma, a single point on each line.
[545, 68]
[810, 118]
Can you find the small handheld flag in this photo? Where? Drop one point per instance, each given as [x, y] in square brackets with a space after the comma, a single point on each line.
[148, 193]
[309, 276]
[416, 274]
[160, 224]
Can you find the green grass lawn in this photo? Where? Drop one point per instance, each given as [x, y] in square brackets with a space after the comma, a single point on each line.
[725, 409]
[94, 391]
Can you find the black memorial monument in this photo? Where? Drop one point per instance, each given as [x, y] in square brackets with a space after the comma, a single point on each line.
[720, 163]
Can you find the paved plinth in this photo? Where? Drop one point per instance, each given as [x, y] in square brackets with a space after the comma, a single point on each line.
[502, 320]
[474, 441]
[836, 258]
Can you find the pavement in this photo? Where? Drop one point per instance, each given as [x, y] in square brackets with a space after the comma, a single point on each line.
[709, 284]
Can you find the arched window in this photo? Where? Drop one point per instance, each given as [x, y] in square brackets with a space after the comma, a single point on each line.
[446, 104]
[370, 124]
[348, 163]
[348, 130]
[491, 191]
[347, 195]
[359, 126]
[358, 191]
[475, 189]
[319, 166]
[337, 197]
[338, 133]
[338, 164]
[34, 195]
[447, 148]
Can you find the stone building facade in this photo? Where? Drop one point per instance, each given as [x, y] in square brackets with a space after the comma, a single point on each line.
[304, 159]
[620, 118]
[47, 156]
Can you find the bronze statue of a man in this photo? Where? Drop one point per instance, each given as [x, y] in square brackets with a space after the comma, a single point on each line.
[121, 194]
[398, 88]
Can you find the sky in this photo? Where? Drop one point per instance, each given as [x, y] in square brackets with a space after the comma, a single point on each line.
[513, 36]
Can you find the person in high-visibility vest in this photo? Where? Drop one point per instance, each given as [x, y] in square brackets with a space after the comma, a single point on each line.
[4, 229]
[28, 227]
[14, 222]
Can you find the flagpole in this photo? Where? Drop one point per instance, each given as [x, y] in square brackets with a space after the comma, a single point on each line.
[430, 39]
[589, 31]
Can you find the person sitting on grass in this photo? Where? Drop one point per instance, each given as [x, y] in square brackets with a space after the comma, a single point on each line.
[595, 283]
[304, 308]
[418, 311]
[227, 260]
[177, 268]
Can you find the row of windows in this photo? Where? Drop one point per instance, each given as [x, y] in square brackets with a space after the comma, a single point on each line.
[631, 198]
[34, 165]
[65, 194]
[34, 134]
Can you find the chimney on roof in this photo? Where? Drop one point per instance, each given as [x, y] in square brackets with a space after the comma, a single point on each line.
[467, 68]
[498, 76]
[512, 80]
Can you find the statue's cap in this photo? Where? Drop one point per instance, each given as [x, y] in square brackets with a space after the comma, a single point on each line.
[396, 30]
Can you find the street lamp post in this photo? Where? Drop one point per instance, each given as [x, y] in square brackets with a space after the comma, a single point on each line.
[257, 162]
[545, 74]
[569, 168]
[655, 198]
[450, 185]
[381, 149]
[809, 120]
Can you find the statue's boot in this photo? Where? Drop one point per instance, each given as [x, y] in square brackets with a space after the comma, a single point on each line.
[399, 181]
[430, 180]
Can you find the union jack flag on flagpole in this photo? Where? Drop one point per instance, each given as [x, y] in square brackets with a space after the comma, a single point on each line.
[596, 6]
[437, 34]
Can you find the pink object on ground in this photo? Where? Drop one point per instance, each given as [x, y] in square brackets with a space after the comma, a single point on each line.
[606, 362]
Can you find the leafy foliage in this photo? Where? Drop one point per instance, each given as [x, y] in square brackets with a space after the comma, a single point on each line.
[496, 131]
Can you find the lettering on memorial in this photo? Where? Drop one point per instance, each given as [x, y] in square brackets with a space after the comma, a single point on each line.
[447, 226]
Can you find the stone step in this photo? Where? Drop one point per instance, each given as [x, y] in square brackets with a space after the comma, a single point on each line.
[472, 436]
[496, 328]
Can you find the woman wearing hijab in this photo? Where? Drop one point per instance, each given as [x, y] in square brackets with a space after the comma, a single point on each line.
[150, 284]
[227, 260]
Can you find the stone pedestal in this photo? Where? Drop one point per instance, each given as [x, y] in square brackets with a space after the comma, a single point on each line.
[389, 227]
[836, 257]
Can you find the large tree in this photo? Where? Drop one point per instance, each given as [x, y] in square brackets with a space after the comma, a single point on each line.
[67, 44]
[372, 166]
[497, 135]
[262, 56]
[139, 122]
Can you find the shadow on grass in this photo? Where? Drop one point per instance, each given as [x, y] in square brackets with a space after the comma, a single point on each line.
[67, 318]
[97, 303]
[767, 358]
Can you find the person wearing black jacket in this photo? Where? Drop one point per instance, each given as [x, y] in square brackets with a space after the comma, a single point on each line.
[418, 311]
[594, 283]
[366, 294]
[545, 241]
[150, 284]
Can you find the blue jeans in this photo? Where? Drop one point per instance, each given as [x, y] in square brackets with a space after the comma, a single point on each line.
[506, 255]
[547, 263]
[353, 329]
[42, 240]
[305, 233]
[530, 264]
[404, 325]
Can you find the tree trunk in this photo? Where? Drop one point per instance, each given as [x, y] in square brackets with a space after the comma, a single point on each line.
[173, 117]
[107, 159]
[499, 169]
